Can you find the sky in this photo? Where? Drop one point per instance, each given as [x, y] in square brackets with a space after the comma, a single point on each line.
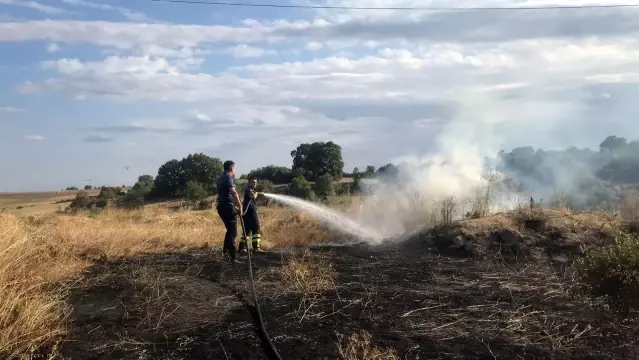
[99, 92]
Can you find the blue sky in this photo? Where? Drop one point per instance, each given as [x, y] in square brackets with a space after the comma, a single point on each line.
[88, 88]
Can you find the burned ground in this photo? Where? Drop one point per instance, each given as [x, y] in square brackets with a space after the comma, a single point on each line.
[422, 302]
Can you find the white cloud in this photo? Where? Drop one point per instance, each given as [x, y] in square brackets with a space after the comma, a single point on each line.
[314, 46]
[127, 13]
[384, 30]
[122, 35]
[421, 73]
[34, 5]
[33, 137]
[243, 51]
[7, 109]
[138, 78]
[53, 47]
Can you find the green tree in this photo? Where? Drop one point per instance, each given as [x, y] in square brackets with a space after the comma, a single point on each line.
[356, 185]
[265, 186]
[203, 169]
[276, 174]
[195, 191]
[87, 187]
[387, 170]
[174, 175]
[369, 172]
[316, 159]
[301, 188]
[71, 188]
[145, 186]
[170, 180]
[612, 143]
[145, 178]
[324, 186]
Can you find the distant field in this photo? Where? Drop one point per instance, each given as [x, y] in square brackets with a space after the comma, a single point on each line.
[37, 203]
[32, 203]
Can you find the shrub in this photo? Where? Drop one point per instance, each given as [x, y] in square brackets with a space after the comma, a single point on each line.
[301, 188]
[343, 189]
[324, 186]
[195, 191]
[265, 186]
[108, 193]
[205, 204]
[612, 273]
[102, 203]
[82, 201]
[145, 186]
[133, 200]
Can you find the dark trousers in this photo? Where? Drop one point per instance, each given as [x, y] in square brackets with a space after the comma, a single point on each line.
[252, 229]
[228, 215]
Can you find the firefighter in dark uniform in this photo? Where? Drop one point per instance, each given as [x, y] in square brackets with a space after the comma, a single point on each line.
[251, 219]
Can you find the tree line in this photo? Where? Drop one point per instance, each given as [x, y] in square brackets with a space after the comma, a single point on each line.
[317, 167]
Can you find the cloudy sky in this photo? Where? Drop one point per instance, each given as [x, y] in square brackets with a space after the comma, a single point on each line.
[91, 88]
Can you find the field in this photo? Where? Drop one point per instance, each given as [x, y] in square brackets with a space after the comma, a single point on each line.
[33, 203]
[152, 284]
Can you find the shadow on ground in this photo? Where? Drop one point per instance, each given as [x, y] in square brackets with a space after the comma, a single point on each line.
[425, 306]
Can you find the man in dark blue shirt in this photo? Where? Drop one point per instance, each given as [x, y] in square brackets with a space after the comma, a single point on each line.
[228, 206]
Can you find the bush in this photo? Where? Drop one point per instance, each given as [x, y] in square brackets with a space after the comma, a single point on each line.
[195, 191]
[343, 189]
[301, 188]
[265, 186]
[133, 200]
[205, 205]
[82, 201]
[102, 203]
[144, 188]
[324, 186]
[108, 193]
[612, 273]
[87, 187]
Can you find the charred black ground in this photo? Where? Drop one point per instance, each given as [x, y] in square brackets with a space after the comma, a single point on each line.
[425, 298]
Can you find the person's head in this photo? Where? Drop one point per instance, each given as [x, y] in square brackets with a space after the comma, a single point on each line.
[229, 167]
[253, 182]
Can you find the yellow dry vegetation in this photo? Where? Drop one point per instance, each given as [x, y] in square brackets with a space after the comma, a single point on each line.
[41, 257]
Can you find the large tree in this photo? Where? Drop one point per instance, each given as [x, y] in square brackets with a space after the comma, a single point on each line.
[612, 143]
[273, 173]
[317, 159]
[174, 175]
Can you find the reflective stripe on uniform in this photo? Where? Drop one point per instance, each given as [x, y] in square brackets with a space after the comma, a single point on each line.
[257, 239]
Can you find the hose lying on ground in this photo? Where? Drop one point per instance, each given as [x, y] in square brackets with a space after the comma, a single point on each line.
[261, 326]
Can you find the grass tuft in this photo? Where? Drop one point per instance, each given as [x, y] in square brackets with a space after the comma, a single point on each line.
[359, 346]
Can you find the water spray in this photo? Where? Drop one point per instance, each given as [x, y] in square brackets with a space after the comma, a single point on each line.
[337, 220]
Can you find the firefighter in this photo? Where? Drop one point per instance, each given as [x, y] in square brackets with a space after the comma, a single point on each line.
[251, 219]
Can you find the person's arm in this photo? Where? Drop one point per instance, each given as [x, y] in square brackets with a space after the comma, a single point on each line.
[252, 194]
[236, 196]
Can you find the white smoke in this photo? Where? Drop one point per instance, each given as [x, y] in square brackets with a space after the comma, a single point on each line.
[455, 171]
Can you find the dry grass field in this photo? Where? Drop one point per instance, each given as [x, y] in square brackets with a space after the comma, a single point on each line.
[36, 203]
[152, 284]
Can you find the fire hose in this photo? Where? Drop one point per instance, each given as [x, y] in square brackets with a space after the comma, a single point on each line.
[260, 320]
